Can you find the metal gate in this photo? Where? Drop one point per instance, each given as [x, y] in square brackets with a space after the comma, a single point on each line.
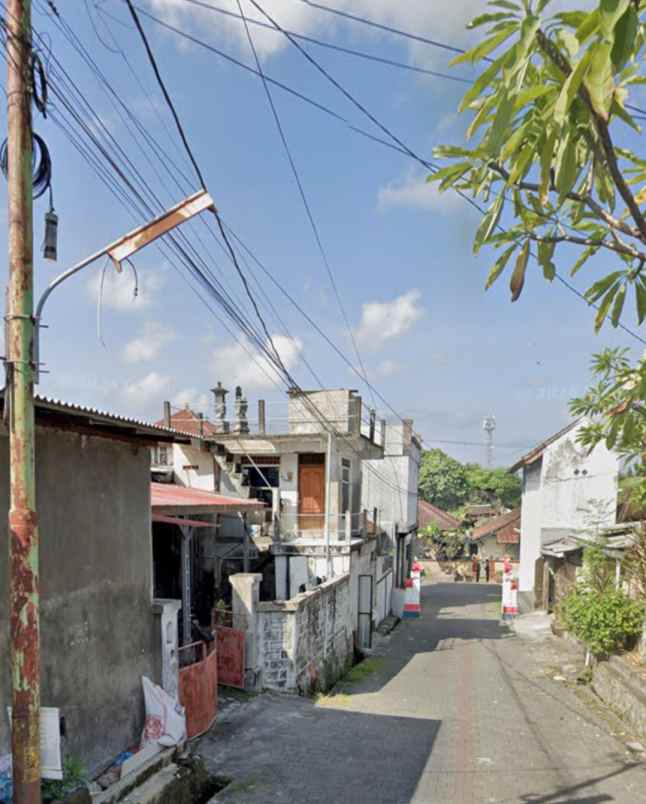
[365, 611]
[231, 656]
[198, 687]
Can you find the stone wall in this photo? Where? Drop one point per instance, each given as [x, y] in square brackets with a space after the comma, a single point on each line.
[305, 644]
[616, 683]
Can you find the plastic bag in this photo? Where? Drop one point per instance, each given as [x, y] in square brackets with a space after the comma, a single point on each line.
[6, 785]
[165, 718]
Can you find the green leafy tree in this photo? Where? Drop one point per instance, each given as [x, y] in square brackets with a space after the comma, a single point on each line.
[546, 112]
[442, 480]
[492, 485]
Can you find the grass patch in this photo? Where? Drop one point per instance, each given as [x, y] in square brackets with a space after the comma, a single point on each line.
[362, 670]
[340, 695]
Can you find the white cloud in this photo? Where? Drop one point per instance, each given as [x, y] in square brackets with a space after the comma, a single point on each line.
[414, 191]
[383, 321]
[119, 289]
[194, 399]
[387, 368]
[242, 364]
[148, 389]
[149, 343]
[443, 20]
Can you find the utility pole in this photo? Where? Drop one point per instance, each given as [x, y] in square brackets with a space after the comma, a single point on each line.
[19, 395]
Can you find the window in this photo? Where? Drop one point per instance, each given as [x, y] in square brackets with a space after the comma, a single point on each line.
[161, 455]
[345, 485]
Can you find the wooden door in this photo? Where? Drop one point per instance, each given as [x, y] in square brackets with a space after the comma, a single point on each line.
[311, 496]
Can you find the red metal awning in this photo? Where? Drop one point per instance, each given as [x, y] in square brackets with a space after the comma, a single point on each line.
[170, 499]
[177, 520]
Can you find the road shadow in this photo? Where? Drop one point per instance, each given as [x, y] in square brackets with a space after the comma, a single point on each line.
[285, 749]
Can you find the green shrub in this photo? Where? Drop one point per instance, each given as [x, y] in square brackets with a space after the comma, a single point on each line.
[605, 621]
[74, 776]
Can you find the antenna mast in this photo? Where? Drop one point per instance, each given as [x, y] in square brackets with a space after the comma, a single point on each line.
[489, 425]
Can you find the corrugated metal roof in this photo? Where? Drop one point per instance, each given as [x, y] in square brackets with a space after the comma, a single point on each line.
[168, 495]
[509, 520]
[535, 454]
[50, 403]
[428, 514]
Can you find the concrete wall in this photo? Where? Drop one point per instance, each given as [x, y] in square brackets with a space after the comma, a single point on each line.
[305, 644]
[530, 532]
[488, 547]
[390, 483]
[333, 405]
[99, 633]
[579, 490]
[185, 456]
[566, 488]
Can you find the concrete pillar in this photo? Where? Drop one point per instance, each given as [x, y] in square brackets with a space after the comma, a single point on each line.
[220, 418]
[167, 611]
[281, 568]
[167, 415]
[262, 421]
[246, 596]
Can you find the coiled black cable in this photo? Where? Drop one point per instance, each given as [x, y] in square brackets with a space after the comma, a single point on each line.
[39, 84]
[41, 164]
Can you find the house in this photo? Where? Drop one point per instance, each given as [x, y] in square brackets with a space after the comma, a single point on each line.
[99, 631]
[562, 558]
[389, 494]
[429, 515]
[565, 487]
[498, 536]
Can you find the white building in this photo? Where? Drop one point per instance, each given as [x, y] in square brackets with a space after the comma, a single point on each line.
[565, 488]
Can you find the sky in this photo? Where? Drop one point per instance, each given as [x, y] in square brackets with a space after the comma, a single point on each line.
[437, 347]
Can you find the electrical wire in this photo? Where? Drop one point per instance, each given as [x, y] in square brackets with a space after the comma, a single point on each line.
[304, 199]
[332, 46]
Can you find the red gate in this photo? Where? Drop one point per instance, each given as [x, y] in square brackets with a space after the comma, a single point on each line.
[198, 688]
[230, 642]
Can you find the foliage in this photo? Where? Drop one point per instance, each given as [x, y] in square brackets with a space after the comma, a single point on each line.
[619, 398]
[449, 484]
[74, 776]
[598, 571]
[442, 479]
[433, 533]
[493, 485]
[453, 544]
[543, 109]
[605, 621]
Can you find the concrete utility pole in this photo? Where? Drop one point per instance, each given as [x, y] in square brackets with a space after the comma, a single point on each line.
[19, 395]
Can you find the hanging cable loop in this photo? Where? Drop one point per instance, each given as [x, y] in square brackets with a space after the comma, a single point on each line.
[41, 164]
[39, 84]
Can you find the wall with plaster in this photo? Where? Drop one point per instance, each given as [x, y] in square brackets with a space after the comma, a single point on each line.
[99, 634]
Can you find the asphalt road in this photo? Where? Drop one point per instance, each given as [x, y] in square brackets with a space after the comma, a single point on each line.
[459, 709]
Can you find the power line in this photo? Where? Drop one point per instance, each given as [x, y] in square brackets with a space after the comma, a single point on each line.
[291, 383]
[407, 35]
[301, 190]
[332, 46]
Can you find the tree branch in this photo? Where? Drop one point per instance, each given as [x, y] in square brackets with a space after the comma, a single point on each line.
[615, 246]
[607, 217]
[601, 126]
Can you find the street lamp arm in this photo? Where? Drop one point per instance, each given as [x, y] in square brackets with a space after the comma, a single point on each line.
[122, 249]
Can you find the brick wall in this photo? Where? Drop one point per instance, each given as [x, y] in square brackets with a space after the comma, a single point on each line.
[305, 644]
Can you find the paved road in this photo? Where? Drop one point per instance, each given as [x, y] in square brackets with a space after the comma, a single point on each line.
[458, 710]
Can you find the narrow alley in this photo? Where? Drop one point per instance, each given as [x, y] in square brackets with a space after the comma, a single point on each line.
[457, 709]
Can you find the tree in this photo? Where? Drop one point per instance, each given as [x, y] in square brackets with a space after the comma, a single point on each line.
[492, 485]
[442, 480]
[546, 111]
[616, 409]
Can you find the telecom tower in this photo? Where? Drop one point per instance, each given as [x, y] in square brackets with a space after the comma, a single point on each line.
[489, 425]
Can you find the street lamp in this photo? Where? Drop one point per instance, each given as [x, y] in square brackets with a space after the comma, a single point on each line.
[122, 249]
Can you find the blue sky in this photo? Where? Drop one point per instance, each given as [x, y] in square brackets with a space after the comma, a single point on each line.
[435, 344]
